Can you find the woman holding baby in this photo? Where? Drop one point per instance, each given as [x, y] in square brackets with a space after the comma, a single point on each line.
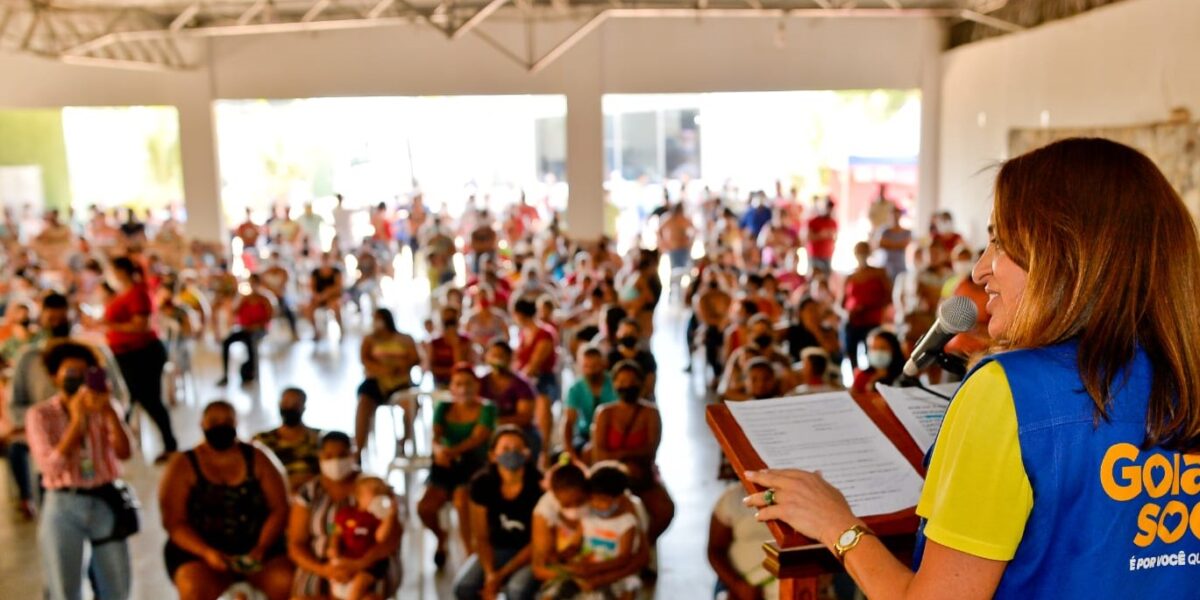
[343, 533]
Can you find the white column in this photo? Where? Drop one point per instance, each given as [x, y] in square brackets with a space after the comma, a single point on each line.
[585, 150]
[198, 153]
[931, 97]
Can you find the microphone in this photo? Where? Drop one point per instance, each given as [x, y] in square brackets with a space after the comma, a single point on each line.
[955, 315]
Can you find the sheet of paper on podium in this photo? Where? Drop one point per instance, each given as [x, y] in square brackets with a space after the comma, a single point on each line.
[919, 411]
[831, 434]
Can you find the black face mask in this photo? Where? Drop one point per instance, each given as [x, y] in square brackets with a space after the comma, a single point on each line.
[629, 394]
[72, 382]
[628, 341]
[60, 331]
[763, 341]
[449, 323]
[220, 437]
[291, 416]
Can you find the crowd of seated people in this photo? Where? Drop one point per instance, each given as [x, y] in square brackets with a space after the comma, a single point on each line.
[546, 428]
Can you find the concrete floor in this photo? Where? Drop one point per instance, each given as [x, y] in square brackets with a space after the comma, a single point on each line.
[330, 372]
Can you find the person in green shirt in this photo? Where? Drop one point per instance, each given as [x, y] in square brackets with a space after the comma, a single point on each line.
[461, 429]
[593, 389]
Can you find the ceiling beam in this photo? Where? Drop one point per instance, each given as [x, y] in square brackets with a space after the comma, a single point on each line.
[570, 41]
[379, 8]
[318, 7]
[252, 12]
[990, 21]
[477, 18]
[501, 48]
[114, 63]
[184, 18]
[8, 13]
[33, 25]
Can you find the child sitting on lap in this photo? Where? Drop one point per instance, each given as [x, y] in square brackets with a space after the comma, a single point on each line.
[358, 527]
[600, 541]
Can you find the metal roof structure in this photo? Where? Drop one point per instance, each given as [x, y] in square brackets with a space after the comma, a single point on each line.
[158, 34]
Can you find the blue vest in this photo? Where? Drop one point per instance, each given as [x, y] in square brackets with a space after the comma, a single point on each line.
[1109, 519]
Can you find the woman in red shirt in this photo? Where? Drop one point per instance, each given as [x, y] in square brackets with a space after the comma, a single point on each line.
[139, 353]
[868, 293]
[536, 361]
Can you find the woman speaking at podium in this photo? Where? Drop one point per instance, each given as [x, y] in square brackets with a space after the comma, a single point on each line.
[1062, 468]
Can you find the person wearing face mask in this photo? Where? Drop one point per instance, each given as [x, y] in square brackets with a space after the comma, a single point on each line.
[629, 431]
[388, 356]
[31, 383]
[78, 439]
[536, 359]
[461, 429]
[502, 498]
[1052, 474]
[224, 507]
[447, 349]
[735, 381]
[293, 443]
[313, 521]
[977, 340]
[886, 358]
[629, 347]
[593, 389]
[865, 296]
[512, 394]
[133, 341]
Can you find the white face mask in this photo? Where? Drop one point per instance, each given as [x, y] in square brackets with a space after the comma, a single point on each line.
[879, 359]
[338, 469]
[570, 514]
[963, 268]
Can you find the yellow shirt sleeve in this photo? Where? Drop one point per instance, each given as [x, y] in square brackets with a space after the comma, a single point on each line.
[977, 496]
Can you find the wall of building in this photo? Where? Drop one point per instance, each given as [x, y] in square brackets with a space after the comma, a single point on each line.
[642, 55]
[1124, 64]
[35, 137]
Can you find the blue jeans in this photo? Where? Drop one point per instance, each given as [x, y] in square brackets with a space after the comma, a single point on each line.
[519, 586]
[69, 522]
[680, 257]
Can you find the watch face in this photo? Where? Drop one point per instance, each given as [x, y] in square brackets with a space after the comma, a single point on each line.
[847, 537]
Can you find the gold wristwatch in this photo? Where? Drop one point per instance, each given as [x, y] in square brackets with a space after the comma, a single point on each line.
[848, 540]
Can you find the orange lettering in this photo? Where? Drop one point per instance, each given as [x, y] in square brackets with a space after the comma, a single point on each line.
[1147, 527]
[1189, 479]
[1128, 489]
[1195, 525]
[1173, 507]
[1163, 485]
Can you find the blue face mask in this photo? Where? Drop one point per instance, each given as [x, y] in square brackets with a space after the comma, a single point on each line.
[511, 460]
[606, 513]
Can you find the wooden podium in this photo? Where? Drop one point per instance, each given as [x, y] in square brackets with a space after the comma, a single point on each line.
[793, 559]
